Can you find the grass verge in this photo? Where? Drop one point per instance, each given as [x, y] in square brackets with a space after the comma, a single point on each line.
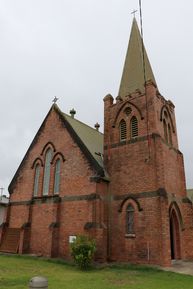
[16, 271]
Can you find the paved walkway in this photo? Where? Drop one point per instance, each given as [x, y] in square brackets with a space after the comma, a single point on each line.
[182, 267]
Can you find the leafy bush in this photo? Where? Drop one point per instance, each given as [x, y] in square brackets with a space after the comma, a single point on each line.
[82, 250]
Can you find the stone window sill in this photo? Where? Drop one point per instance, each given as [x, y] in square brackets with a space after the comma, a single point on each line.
[130, 235]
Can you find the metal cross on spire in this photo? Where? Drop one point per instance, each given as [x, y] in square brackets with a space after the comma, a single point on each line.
[133, 12]
[55, 99]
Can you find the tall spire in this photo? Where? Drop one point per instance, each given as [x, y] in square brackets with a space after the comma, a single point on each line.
[133, 72]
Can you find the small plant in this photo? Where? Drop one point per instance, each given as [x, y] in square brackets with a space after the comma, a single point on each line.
[82, 250]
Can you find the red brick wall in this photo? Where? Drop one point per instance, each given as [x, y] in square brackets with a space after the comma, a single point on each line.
[149, 243]
[70, 215]
[139, 168]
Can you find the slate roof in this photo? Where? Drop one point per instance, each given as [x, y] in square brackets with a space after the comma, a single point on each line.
[92, 138]
[89, 139]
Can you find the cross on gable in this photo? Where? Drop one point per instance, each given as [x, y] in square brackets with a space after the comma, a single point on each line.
[55, 99]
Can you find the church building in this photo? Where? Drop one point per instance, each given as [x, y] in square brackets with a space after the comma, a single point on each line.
[124, 188]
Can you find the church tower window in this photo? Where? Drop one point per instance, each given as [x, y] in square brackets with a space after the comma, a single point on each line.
[36, 180]
[46, 181]
[165, 130]
[130, 219]
[169, 134]
[123, 130]
[134, 126]
[57, 177]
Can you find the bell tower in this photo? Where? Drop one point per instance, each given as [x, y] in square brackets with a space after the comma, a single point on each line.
[145, 166]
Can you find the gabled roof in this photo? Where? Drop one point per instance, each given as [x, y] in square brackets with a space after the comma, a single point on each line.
[87, 138]
[133, 72]
[92, 138]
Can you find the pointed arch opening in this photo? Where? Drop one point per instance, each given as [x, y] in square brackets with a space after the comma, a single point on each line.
[123, 107]
[176, 226]
[57, 177]
[175, 236]
[162, 115]
[36, 180]
[169, 134]
[134, 126]
[165, 131]
[130, 211]
[123, 130]
[47, 167]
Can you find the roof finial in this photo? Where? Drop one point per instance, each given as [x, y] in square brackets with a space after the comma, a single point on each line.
[97, 125]
[55, 99]
[134, 11]
[72, 112]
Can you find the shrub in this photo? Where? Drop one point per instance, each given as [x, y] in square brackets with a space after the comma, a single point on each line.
[82, 251]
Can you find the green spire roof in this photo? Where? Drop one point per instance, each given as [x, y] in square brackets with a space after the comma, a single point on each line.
[133, 72]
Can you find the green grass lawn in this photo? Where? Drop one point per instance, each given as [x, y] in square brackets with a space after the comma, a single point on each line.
[16, 271]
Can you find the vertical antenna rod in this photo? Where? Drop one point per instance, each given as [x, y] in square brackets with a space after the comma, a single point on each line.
[144, 74]
[1, 192]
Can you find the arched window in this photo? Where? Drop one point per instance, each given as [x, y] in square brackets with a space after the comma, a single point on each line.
[57, 177]
[46, 181]
[36, 180]
[130, 219]
[134, 126]
[123, 130]
[169, 134]
[165, 130]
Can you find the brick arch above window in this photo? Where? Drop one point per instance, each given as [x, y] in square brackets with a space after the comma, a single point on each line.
[56, 156]
[130, 200]
[123, 107]
[162, 116]
[47, 146]
[37, 161]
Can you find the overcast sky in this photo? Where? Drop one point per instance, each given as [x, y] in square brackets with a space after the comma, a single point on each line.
[76, 49]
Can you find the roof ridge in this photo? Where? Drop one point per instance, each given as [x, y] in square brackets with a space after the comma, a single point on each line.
[75, 119]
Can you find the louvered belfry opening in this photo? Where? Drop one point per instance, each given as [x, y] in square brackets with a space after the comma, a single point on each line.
[134, 126]
[123, 130]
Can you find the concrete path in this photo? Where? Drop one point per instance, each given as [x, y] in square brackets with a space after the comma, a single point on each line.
[182, 267]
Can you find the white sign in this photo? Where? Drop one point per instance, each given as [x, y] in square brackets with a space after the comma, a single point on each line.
[72, 239]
